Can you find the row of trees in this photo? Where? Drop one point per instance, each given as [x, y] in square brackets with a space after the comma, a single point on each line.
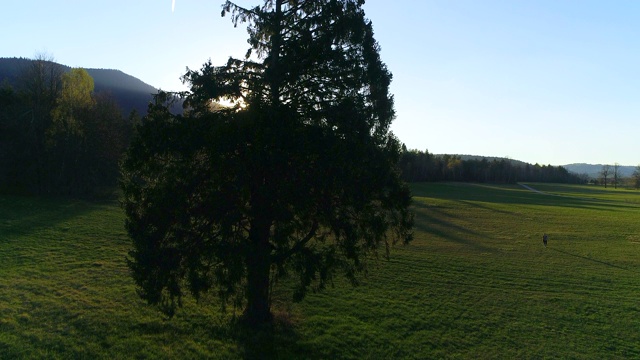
[419, 166]
[611, 175]
[56, 135]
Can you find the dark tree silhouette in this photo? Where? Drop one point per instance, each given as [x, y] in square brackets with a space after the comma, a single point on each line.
[299, 177]
[56, 136]
[605, 173]
[40, 85]
[636, 177]
[10, 108]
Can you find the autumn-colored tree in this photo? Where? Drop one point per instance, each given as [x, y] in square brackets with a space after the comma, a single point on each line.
[65, 136]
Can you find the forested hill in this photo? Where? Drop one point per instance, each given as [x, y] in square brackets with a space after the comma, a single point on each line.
[419, 166]
[129, 92]
[480, 158]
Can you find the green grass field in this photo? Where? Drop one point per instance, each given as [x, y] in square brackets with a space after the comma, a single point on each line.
[475, 283]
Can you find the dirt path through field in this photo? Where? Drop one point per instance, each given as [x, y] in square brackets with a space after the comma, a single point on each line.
[532, 189]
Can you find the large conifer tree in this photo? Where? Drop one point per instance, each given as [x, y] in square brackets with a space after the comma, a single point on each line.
[298, 178]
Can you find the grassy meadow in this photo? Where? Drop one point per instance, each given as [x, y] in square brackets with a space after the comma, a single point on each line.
[475, 283]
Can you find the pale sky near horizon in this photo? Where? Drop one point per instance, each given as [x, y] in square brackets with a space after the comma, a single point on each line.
[542, 81]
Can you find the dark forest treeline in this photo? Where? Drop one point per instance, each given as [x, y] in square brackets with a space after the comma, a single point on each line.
[59, 137]
[56, 135]
[419, 166]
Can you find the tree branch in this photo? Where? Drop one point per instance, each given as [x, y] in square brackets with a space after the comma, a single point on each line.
[281, 257]
[245, 13]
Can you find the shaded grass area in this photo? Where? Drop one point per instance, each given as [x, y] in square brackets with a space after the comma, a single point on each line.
[476, 283]
[65, 291]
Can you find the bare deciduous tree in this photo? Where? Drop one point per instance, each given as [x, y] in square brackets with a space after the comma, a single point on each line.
[616, 175]
[41, 84]
[605, 173]
[636, 176]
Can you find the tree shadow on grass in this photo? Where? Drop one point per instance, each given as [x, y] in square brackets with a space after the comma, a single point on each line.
[487, 208]
[277, 340]
[512, 194]
[26, 214]
[433, 221]
[593, 260]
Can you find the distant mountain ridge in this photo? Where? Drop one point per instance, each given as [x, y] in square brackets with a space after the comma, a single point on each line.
[128, 91]
[593, 170]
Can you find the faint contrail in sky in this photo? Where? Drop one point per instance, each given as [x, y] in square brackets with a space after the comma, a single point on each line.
[173, 5]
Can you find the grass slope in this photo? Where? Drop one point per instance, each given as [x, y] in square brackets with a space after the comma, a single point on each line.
[475, 283]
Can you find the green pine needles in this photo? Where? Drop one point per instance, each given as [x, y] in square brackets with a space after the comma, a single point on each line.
[297, 178]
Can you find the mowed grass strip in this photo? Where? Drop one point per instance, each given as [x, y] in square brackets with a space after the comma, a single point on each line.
[475, 283]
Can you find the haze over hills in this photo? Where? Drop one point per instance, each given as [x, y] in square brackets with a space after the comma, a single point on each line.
[593, 171]
[128, 91]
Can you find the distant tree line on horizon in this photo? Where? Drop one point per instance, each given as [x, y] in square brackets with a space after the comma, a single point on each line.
[611, 175]
[422, 166]
[56, 135]
[59, 137]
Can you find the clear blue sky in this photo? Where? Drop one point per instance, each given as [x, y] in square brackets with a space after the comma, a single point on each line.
[543, 81]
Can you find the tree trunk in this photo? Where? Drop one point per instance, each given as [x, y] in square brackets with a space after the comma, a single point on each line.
[258, 264]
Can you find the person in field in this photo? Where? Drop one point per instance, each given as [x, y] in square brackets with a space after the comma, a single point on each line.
[545, 238]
